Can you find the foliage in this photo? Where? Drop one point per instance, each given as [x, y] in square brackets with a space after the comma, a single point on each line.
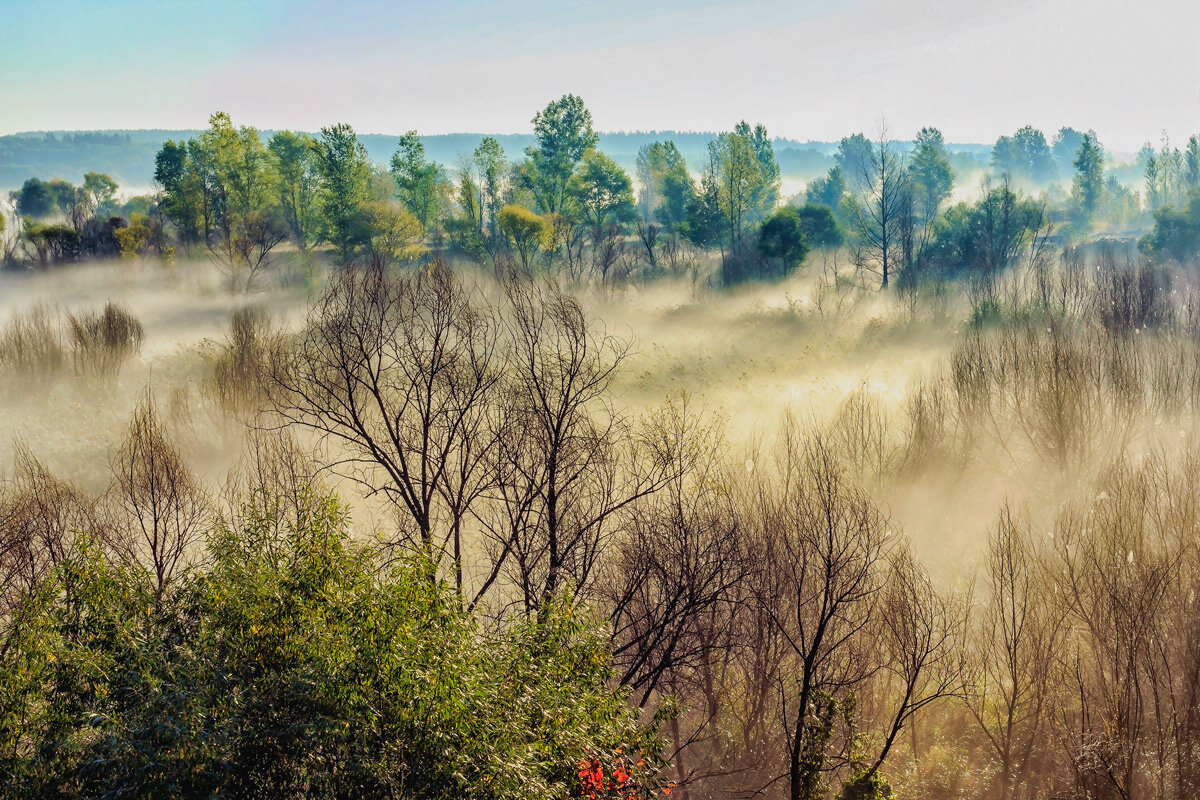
[665, 185]
[564, 133]
[603, 191]
[292, 664]
[344, 172]
[525, 230]
[1088, 186]
[1176, 233]
[782, 240]
[417, 179]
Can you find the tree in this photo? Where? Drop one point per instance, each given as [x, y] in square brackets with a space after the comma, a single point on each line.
[603, 192]
[765, 195]
[34, 200]
[398, 368]
[183, 198]
[343, 168]
[489, 160]
[296, 166]
[417, 180]
[1191, 170]
[100, 192]
[164, 504]
[827, 190]
[1017, 639]
[819, 226]
[563, 130]
[525, 231]
[738, 181]
[854, 155]
[1024, 155]
[930, 175]
[304, 661]
[665, 185]
[781, 239]
[564, 468]
[1088, 185]
[883, 185]
[1065, 146]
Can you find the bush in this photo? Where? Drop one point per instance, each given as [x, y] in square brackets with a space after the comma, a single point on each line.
[31, 345]
[102, 341]
[237, 383]
[292, 665]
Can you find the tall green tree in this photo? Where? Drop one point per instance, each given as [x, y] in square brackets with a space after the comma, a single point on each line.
[1088, 186]
[1191, 163]
[345, 172]
[296, 167]
[563, 130]
[417, 179]
[1024, 155]
[664, 183]
[930, 174]
[490, 161]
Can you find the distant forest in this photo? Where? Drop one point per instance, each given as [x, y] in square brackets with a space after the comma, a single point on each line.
[128, 155]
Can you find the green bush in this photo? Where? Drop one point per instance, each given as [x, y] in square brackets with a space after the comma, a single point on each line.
[292, 665]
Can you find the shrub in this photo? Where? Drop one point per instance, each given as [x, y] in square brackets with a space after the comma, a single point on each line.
[31, 345]
[102, 341]
[293, 665]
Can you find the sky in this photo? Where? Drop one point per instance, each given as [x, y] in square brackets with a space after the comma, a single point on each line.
[807, 69]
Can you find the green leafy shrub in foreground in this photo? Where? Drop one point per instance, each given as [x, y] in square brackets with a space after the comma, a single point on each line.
[292, 666]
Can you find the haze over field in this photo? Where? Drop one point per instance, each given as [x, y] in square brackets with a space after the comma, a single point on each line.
[826, 455]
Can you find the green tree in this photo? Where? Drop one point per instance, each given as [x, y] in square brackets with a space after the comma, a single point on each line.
[182, 196]
[853, 156]
[344, 171]
[563, 130]
[34, 200]
[525, 230]
[602, 191]
[781, 241]
[100, 193]
[820, 226]
[1191, 163]
[297, 662]
[1024, 155]
[1088, 186]
[827, 190]
[665, 185]
[765, 193]
[417, 179]
[930, 174]
[296, 166]
[490, 161]
[1064, 147]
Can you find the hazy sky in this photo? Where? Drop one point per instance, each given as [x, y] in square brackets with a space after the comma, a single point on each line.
[808, 69]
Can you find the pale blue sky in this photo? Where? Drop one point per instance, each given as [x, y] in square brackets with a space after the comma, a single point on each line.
[808, 69]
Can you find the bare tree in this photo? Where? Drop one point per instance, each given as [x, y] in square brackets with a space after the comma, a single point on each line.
[1017, 644]
[40, 517]
[164, 510]
[566, 462]
[397, 370]
[886, 203]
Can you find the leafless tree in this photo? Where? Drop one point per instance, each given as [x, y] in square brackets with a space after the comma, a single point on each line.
[163, 510]
[398, 370]
[883, 186]
[566, 462]
[1017, 645]
[40, 518]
